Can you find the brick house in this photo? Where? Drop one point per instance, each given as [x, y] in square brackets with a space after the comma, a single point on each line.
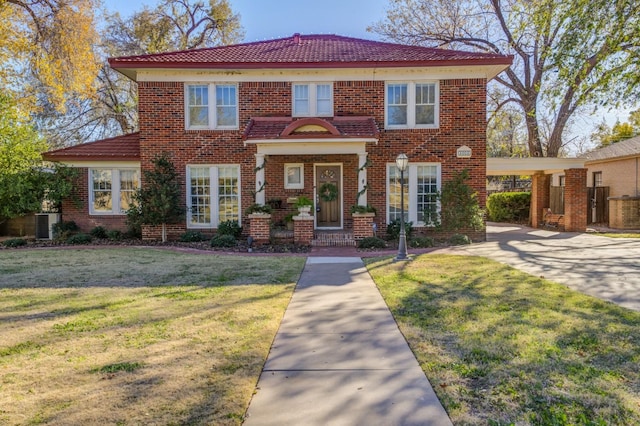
[317, 115]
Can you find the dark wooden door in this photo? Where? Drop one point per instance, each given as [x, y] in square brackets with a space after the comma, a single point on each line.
[598, 205]
[328, 197]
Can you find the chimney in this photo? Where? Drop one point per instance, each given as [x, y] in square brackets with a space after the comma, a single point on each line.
[296, 38]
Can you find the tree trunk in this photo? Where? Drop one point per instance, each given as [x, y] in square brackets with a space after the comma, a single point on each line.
[164, 232]
[533, 134]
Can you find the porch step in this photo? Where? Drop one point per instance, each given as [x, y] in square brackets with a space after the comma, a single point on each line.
[333, 239]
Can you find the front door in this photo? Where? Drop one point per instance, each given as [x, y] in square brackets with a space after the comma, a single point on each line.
[328, 196]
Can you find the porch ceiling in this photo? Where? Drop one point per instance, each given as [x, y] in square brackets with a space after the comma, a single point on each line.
[531, 166]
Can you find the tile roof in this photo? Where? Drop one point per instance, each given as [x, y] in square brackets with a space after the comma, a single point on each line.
[284, 128]
[626, 148]
[306, 51]
[123, 148]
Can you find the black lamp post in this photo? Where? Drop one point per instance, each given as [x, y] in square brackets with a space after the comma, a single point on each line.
[402, 161]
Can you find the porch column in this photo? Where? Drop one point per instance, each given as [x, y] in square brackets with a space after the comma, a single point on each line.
[539, 197]
[260, 190]
[362, 179]
[575, 200]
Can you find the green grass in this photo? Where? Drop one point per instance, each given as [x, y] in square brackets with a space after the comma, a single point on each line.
[136, 336]
[503, 347]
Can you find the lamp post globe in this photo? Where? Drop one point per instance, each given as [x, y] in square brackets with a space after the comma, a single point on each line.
[402, 161]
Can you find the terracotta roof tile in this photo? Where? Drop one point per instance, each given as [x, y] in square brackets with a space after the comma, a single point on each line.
[265, 128]
[301, 51]
[125, 147]
[626, 148]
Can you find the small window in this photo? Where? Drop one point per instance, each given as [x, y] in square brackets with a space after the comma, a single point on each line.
[202, 113]
[112, 190]
[561, 180]
[313, 100]
[294, 176]
[411, 105]
[597, 179]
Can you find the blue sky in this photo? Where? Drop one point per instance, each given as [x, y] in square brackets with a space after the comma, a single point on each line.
[268, 19]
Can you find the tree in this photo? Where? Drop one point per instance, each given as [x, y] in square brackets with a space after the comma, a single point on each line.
[159, 199]
[172, 25]
[605, 136]
[567, 53]
[459, 207]
[52, 42]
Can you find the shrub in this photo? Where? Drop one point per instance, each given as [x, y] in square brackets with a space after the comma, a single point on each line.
[134, 221]
[371, 242]
[230, 227]
[114, 235]
[79, 239]
[459, 207]
[14, 242]
[98, 232]
[393, 229]
[509, 206]
[223, 241]
[192, 237]
[459, 240]
[64, 229]
[363, 209]
[421, 242]
[259, 208]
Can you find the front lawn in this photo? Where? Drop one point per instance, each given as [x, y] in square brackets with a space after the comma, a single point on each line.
[135, 336]
[503, 347]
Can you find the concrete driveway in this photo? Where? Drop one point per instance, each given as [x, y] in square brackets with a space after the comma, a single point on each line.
[607, 268]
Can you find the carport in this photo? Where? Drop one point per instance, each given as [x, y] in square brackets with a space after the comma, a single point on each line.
[540, 170]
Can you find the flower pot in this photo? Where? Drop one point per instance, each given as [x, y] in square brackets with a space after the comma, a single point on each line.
[304, 210]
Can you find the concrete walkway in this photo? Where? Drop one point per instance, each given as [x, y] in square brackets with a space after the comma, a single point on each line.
[339, 358]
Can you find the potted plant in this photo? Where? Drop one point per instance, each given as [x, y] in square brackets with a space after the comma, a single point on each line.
[259, 209]
[360, 209]
[304, 205]
[288, 221]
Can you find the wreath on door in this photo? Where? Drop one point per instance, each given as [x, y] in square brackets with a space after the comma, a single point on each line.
[328, 192]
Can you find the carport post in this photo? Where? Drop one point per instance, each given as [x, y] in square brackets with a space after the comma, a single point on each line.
[575, 200]
[540, 183]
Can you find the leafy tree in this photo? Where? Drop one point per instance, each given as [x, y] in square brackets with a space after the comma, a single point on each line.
[160, 202]
[605, 136]
[459, 205]
[567, 53]
[24, 181]
[52, 42]
[172, 25]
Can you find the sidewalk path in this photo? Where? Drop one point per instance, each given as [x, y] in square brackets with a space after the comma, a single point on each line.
[339, 358]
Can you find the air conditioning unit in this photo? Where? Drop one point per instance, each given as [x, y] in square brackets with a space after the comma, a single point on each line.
[44, 225]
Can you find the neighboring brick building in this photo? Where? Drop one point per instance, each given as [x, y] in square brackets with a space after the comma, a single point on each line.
[320, 115]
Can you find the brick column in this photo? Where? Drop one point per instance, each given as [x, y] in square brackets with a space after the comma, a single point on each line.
[303, 229]
[260, 227]
[539, 197]
[575, 200]
[362, 225]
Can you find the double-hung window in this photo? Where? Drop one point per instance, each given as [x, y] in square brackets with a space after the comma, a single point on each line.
[312, 100]
[411, 105]
[421, 187]
[111, 190]
[211, 106]
[213, 195]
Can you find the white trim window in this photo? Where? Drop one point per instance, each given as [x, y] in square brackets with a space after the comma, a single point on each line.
[421, 187]
[211, 106]
[213, 195]
[294, 176]
[111, 191]
[411, 105]
[312, 100]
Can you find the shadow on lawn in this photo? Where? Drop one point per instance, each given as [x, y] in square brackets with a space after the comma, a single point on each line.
[503, 346]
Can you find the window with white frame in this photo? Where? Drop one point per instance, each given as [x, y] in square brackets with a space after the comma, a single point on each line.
[111, 190]
[312, 100]
[211, 106]
[411, 105]
[213, 195]
[294, 176]
[421, 187]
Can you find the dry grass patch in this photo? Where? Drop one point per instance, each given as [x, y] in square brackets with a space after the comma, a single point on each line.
[503, 347]
[619, 235]
[135, 336]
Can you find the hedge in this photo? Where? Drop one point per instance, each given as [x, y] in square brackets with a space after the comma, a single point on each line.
[508, 206]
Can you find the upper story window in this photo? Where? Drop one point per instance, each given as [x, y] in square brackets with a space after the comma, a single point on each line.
[312, 100]
[211, 106]
[111, 190]
[411, 105]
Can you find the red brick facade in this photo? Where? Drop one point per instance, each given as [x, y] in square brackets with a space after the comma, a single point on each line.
[462, 121]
